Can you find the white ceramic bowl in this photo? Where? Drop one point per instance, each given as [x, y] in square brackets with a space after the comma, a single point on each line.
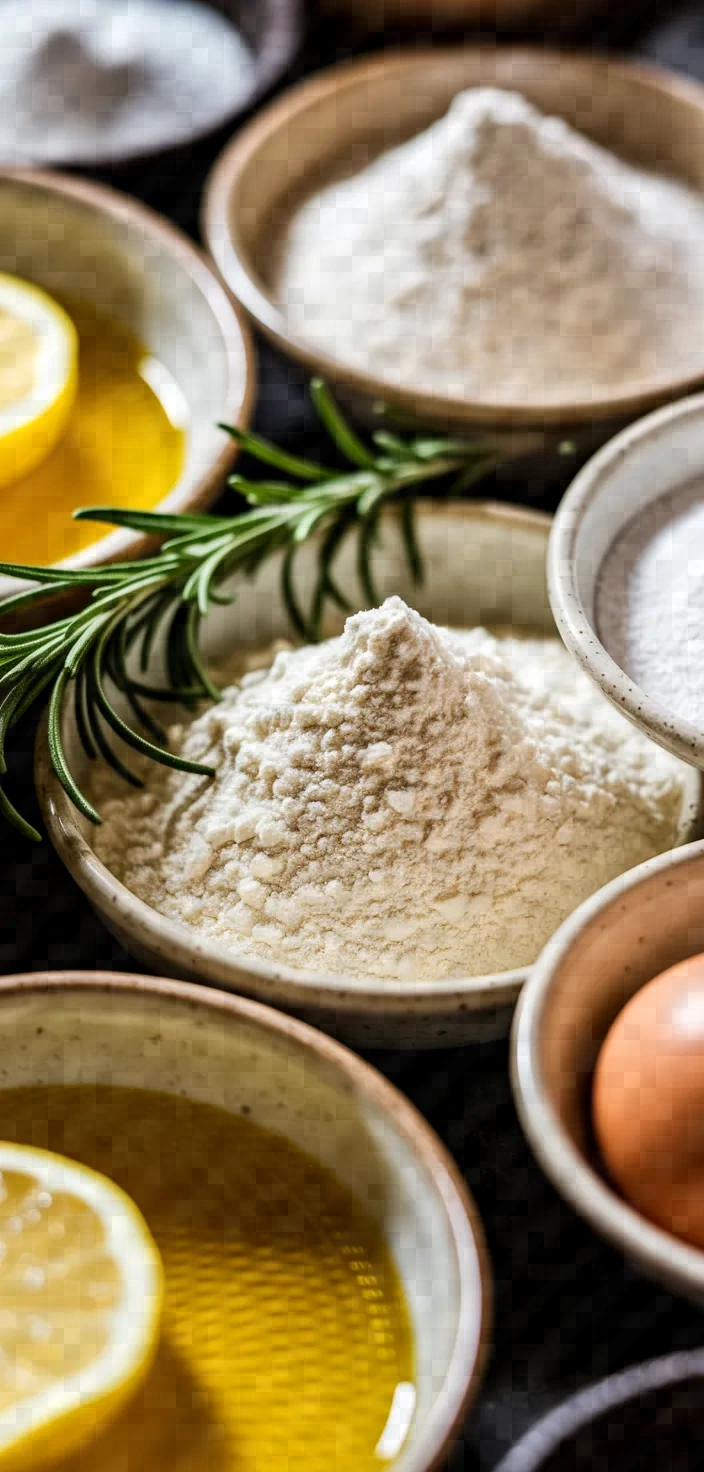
[483, 564]
[646, 461]
[637, 926]
[138, 1032]
[71, 236]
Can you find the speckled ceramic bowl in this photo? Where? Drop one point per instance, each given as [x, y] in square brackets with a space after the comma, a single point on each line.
[483, 564]
[69, 236]
[637, 926]
[650, 459]
[138, 1032]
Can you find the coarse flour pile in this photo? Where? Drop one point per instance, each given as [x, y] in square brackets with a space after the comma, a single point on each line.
[500, 255]
[401, 801]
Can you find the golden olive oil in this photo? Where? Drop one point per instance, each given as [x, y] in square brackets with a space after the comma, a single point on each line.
[285, 1331]
[124, 446]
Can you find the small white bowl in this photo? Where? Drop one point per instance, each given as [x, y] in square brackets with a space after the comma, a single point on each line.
[68, 235]
[646, 461]
[483, 564]
[142, 1032]
[637, 926]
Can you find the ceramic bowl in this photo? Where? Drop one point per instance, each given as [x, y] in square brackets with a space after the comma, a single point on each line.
[483, 564]
[650, 459]
[272, 31]
[344, 117]
[139, 1032]
[648, 1416]
[622, 937]
[67, 235]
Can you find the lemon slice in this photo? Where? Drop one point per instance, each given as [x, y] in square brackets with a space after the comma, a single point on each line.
[80, 1302]
[38, 376]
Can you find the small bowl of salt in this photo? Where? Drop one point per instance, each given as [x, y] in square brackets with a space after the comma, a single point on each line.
[626, 575]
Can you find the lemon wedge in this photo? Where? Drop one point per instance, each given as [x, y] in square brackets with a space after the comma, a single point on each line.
[38, 376]
[80, 1303]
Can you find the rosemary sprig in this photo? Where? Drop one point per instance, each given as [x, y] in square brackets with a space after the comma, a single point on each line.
[107, 644]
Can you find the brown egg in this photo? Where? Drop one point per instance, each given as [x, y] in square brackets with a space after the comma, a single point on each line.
[648, 1100]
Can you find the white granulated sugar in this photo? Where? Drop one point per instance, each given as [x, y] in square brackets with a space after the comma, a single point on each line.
[397, 802]
[500, 255]
[94, 79]
[650, 602]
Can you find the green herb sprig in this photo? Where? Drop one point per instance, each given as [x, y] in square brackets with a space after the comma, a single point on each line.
[173, 590]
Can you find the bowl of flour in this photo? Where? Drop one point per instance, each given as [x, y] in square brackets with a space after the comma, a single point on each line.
[503, 240]
[626, 572]
[401, 815]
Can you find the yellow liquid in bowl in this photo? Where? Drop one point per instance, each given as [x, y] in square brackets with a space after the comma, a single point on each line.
[124, 446]
[285, 1331]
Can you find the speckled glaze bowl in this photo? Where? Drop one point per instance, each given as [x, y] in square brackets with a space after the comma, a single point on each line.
[650, 459]
[639, 925]
[339, 120]
[142, 1032]
[483, 564]
[67, 235]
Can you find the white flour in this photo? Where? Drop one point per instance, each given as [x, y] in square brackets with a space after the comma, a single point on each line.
[93, 79]
[650, 602]
[500, 255]
[398, 802]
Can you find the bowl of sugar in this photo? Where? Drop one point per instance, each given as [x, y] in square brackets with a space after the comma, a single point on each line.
[327, 1289]
[368, 222]
[401, 815]
[626, 575]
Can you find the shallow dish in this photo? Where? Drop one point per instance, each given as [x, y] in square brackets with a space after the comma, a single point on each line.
[654, 1409]
[483, 564]
[349, 114]
[68, 235]
[627, 933]
[646, 461]
[141, 1032]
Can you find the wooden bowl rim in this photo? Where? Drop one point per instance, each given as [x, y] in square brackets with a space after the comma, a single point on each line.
[119, 545]
[472, 1342]
[239, 275]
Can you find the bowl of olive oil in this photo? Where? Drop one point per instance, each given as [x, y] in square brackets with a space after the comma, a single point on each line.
[325, 1298]
[162, 359]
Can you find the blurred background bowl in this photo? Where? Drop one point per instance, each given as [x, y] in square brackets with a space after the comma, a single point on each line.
[106, 249]
[634, 928]
[341, 119]
[483, 564]
[649, 1417]
[141, 1032]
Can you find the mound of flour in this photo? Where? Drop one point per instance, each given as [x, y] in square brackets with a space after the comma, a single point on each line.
[397, 802]
[502, 255]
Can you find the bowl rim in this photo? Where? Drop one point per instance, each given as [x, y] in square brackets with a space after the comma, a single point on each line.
[235, 333]
[475, 1317]
[573, 620]
[659, 1254]
[277, 984]
[571, 1416]
[281, 43]
[239, 274]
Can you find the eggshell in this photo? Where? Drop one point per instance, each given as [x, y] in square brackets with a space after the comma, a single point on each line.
[648, 1100]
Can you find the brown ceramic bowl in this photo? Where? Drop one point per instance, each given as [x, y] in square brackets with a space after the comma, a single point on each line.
[627, 933]
[67, 235]
[143, 1032]
[346, 116]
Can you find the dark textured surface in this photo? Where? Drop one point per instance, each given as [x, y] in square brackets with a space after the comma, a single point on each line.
[568, 1310]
